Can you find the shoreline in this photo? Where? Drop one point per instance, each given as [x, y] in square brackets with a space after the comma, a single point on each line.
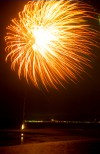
[58, 147]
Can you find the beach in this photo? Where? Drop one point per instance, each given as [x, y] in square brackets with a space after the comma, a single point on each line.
[59, 147]
[56, 142]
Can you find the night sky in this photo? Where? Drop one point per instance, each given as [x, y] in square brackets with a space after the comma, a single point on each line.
[80, 101]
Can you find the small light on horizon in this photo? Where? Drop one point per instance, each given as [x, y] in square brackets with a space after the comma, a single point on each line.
[23, 126]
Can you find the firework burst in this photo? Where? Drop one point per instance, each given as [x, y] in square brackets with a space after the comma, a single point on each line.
[50, 42]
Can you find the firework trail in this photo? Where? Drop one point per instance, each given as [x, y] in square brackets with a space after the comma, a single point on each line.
[51, 41]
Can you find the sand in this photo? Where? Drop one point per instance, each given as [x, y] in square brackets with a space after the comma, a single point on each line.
[59, 147]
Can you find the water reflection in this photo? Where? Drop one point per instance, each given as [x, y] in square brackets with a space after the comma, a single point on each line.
[22, 138]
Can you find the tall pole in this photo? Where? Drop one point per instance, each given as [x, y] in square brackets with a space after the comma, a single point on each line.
[24, 109]
[23, 115]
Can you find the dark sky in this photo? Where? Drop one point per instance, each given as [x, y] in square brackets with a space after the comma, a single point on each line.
[80, 101]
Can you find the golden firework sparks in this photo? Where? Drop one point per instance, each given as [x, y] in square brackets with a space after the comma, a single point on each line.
[50, 42]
